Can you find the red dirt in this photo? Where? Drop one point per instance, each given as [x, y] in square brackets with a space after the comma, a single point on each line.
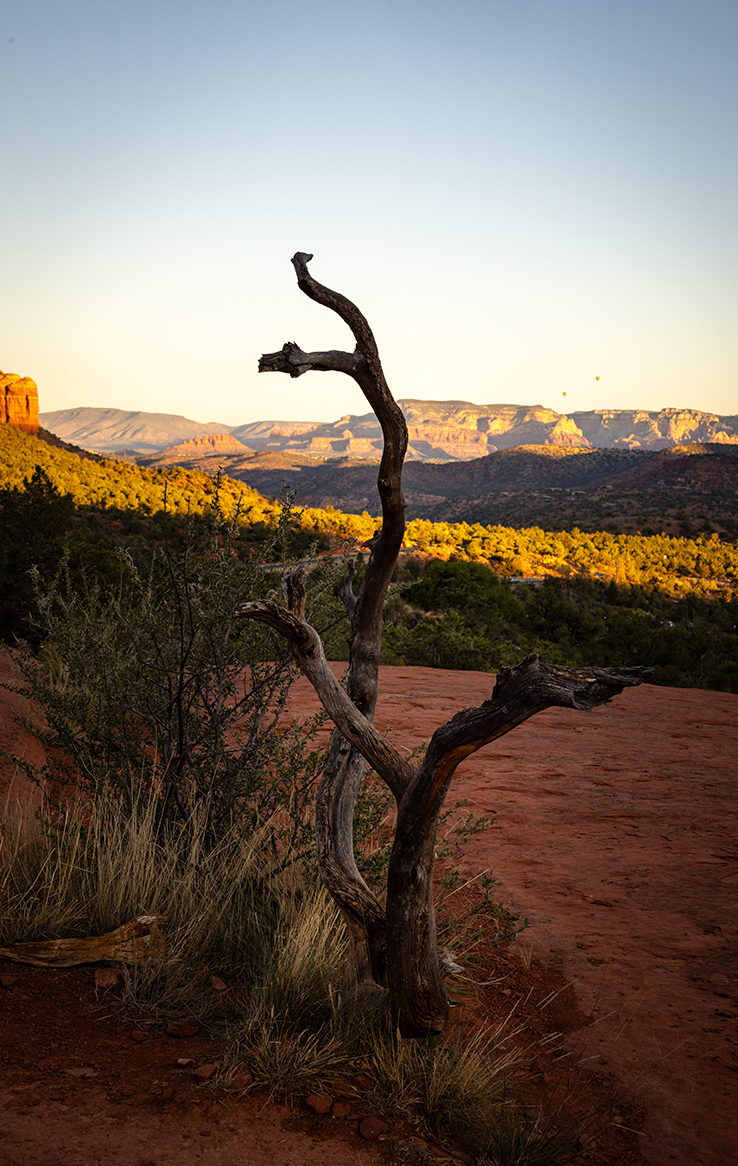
[615, 836]
[76, 1089]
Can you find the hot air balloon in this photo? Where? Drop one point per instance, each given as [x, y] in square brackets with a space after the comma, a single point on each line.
[563, 394]
[597, 378]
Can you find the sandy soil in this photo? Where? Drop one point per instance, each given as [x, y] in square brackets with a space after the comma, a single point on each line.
[615, 835]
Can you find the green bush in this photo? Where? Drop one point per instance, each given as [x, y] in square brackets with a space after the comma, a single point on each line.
[462, 615]
[156, 687]
[34, 519]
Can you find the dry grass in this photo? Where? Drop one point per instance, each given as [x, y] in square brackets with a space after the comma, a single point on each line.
[280, 949]
[64, 877]
[450, 1083]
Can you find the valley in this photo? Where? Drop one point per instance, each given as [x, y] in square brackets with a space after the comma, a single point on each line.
[679, 490]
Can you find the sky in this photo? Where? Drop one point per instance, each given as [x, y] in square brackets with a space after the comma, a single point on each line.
[520, 195]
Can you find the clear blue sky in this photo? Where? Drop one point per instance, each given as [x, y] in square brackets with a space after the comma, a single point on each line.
[520, 195]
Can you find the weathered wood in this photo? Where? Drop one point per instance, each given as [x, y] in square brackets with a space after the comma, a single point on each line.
[397, 948]
[345, 589]
[414, 975]
[292, 360]
[294, 592]
[341, 779]
[358, 729]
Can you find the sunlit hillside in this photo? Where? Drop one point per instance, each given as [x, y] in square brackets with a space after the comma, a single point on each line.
[576, 597]
[674, 565]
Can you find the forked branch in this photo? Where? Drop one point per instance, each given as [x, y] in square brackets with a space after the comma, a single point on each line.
[398, 949]
[307, 648]
[344, 770]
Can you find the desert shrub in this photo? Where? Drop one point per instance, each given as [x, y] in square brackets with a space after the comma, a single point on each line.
[446, 641]
[156, 687]
[470, 588]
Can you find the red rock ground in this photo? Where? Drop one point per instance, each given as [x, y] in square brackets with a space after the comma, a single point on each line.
[615, 836]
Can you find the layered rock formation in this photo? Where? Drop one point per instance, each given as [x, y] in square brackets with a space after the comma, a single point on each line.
[18, 402]
[461, 431]
[638, 429]
[438, 431]
[212, 445]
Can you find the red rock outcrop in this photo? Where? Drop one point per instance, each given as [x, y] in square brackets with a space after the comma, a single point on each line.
[18, 402]
[208, 446]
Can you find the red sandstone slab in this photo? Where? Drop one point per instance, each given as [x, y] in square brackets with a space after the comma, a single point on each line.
[616, 836]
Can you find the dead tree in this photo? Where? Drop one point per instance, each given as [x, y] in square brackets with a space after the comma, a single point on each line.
[394, 949]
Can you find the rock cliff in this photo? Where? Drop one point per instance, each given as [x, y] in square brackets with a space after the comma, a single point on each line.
[209, 445]
[638, 429]
[461, 431]
[18, 402]
[438, 431]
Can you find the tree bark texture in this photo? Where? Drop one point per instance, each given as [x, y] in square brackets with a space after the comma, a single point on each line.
[397, 947]
[342, 776]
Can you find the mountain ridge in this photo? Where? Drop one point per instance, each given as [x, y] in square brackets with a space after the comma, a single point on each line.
[438, 431]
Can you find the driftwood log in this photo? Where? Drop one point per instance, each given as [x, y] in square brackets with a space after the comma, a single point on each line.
[395, 947]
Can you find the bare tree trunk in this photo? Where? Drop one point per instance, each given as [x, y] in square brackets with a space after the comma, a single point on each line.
[397, 948]
[342, 776]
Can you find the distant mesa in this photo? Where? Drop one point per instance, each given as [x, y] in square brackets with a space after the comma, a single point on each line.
[438, 431]
[211, 445]
[18, 402]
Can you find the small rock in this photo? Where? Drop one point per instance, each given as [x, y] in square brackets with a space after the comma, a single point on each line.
[343, 1088]
[108, 979]
[179, 1028]
[372, 1127]
[85, 1071]
[8, 979]
[242, 1078]
[138, 1035]
[205, 1072]
[185, 1062]
[218, 984]
[320, 1103]
[363, 1082]
[342, 1109]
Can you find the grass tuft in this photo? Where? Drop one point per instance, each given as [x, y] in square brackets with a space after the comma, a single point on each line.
[453, 1084]
[63, 877]
[285, 1061]
[277, 943]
